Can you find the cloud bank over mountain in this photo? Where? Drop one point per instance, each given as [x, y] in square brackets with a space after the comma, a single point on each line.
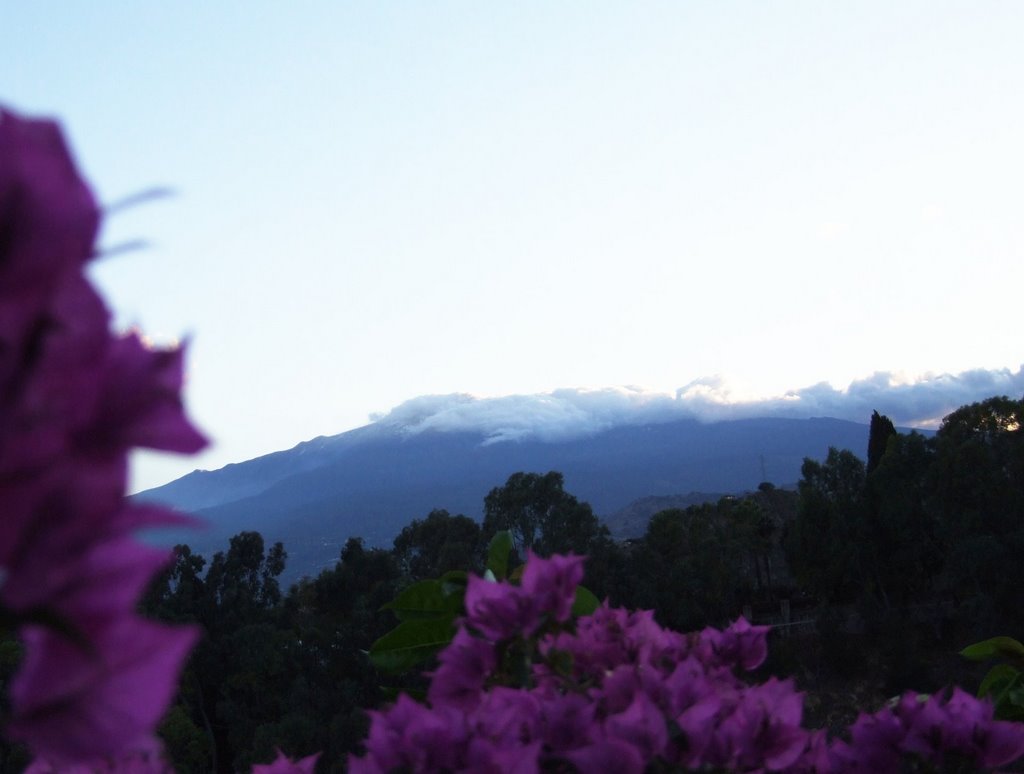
[572, 413]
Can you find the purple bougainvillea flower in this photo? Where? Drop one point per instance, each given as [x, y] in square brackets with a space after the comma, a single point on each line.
[66, 541]
[508, 716]
[568, 721]
[875, 744]
[641, 724]
[146, 760]
[957, 724]
[53, 393]
[499, 610]
[763, 730]
[98, 584]
[551, 583]
[74, 401]
[502, 610]
[607, 755]
[740, 645]
[74, 702]
[465, 665]
[140, 404]
[412, 737]
[484, 756]
[282, 764]
[48, 222]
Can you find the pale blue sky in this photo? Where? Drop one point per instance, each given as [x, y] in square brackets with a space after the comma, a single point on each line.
[383, 200]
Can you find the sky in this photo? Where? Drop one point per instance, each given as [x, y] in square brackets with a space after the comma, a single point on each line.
[378, 201]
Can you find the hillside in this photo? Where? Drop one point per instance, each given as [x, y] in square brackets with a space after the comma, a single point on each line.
[372, 481]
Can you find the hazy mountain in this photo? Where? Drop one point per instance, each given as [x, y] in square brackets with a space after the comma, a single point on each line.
[374, 480]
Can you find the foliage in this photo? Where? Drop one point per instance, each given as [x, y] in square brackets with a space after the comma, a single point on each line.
[541, 516]
[1004, 683]
[441, 542]
[880, 431]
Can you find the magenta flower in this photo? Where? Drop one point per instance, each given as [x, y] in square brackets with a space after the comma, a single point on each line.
[412, 737]
[82, 702]
[74, 401]
[641, 724]
[146, 760]
[763, 730]
[608, 755]
[487, 757]
[568, 721]
[932, 728]
[548, 589]
[499, 610]
[551, 583]
[140, 403]
[741, 645]
[465, 665]
[282, 764]
[48, 221]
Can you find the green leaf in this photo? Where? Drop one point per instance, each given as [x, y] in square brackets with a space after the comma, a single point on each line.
[497, 554]
[998, 677]
[458, 577]
[1006, 647]
[424, 599]
[454, 583]
[1010, 701]
[411, 642]
[585, 602]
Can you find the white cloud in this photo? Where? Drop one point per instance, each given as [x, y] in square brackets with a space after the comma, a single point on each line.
[570, 413]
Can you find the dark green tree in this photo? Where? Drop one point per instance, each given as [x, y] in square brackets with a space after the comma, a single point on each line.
[542, 516]
[824, 545]
[882, 429]
[694, 567]
[976, 492]
[441, 542]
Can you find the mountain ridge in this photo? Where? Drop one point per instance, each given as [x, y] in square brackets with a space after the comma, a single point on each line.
[372, 481]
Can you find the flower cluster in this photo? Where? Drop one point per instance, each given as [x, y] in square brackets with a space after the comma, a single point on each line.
[523, 688]
[74, 400]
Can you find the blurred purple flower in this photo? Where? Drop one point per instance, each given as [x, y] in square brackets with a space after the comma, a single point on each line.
[74, 401]
[608, 755]
[148, 759]
[486, 757]
[763, 730]
[465, 665]
[140, 403]
[74, 703]
[567, 721]
[48, 221]
[412, 737]
[499, 610]
[282, 764]
[508, 716]
[641, 724]
[740, 645]
[551, 583]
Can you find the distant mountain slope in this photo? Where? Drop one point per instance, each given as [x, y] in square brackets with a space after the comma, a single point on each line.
[374, 480]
